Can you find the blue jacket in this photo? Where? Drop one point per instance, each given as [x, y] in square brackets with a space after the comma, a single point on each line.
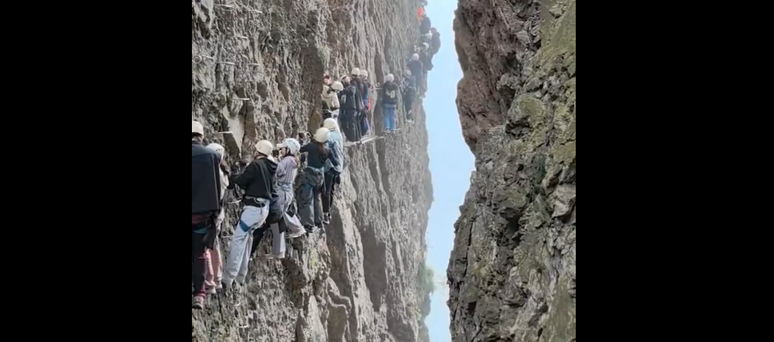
[336, 145]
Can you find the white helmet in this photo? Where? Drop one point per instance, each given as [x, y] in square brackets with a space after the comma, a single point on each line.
[218, 148]
[264, 147]
[355, 71]
[389, 78]
[415, 57]
[408, 72]
[337, 86]
[426, 45]
[291, 144]
[363, 72]
[322, 135]
[330, 124]
[197, 128]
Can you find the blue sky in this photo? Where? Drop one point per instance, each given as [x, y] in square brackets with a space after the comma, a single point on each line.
[450, 161]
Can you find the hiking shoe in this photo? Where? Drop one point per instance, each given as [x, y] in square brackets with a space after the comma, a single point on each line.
[211, 290]
[198, 302]
[299, 234]
[326, 218]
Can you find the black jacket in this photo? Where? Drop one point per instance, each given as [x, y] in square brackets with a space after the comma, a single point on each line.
[435, 43]
[361, 90]
[205, 180]
[389, 93]
[416, 67]
[315, 157]
[258, 178]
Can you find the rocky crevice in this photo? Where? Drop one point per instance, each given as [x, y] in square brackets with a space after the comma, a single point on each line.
[256, 72]
[512, 270]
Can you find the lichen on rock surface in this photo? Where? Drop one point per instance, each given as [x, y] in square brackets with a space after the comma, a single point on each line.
[256, 72]
[511, 273]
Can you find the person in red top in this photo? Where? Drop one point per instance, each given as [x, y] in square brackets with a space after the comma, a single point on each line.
[420, 13]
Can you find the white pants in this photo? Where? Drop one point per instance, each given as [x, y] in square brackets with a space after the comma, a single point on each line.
[241, 241]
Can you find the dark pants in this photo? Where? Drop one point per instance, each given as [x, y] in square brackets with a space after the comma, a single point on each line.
[260, 232]
[350, 124]
[408, 105]
[331, 179]
[197, 261]
[309, 206]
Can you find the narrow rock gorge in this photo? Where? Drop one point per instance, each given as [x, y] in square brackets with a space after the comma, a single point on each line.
[512, 270]
[257, 71]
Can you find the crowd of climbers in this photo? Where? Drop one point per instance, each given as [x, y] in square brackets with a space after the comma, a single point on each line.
[289, 188]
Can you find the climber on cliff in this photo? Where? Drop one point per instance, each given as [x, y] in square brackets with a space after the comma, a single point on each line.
[416, 68]
[280, 221]
[287, 172]
[425, 24]
[408, 90]
[351, 105]
[330, 100]
[205, 207]
[424, 57]
[214, 258]
[257, 181]
[313, 179]
[389, 98]
[361, 90]
[364, 124]
[435, 42]
[335, 145]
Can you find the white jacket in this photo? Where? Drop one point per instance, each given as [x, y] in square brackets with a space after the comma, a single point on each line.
[330, 98]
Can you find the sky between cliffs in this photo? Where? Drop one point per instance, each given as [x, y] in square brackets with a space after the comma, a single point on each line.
[450, 162]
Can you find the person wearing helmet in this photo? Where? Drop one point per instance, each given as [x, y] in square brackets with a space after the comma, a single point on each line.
[330, 99]
[364, 126]
[335, 144]
[408, 91]
[206, 204]
[351, 101]
[257, 181]
[389, 98]
[284, 176]
[313, 178]
[214, 260]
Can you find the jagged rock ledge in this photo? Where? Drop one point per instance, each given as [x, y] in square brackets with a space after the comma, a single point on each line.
[512, 270]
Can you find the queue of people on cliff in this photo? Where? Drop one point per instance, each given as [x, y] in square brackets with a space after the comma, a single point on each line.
[349, 99]
[274, 194]
[268, 183]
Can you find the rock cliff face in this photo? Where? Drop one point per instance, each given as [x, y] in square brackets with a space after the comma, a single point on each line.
[512, 270]
[256, 71]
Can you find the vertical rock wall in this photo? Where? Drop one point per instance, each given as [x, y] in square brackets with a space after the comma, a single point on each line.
[256, 71]
[512, 270]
